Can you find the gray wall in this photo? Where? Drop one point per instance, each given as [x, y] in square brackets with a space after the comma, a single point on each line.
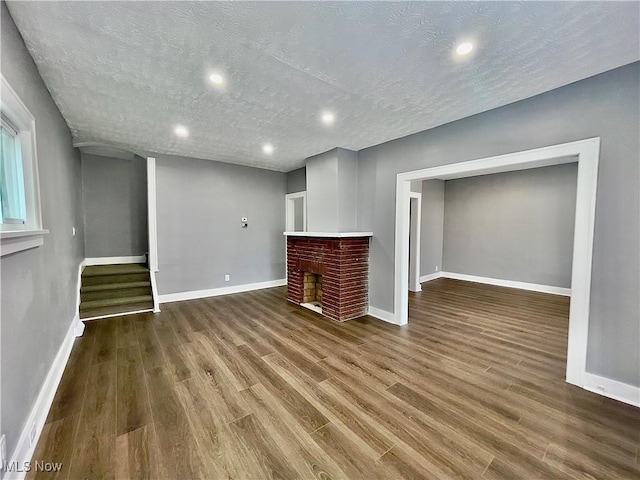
[39, 285]
[347, 189]
[322, 192]
[608, 106]
[297, 180]
[200, 239]
[114, 200]
[512, 226]
[432, 227]
[332, 182]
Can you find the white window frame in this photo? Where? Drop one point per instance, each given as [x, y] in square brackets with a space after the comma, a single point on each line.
[18, 237]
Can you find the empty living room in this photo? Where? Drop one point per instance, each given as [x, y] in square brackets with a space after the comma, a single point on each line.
[319, 240]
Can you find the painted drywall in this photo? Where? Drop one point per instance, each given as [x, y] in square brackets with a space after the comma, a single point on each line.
[347, 189]
[200, 205]
[322, 192]
[297, 180]
[606, 105]
[332, 182]
[432, 226]
[114, 200]
[38, 286]
[512, 226]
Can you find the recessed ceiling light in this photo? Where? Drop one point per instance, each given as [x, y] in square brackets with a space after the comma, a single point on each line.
[267, 148]
[464, 48]
[181, 131]
[216, 78]
[328, 118]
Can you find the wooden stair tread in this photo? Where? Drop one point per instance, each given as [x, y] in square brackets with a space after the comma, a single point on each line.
[110, 302]
[114, 286]
[115, 293]
[99, 270]
[116, 309]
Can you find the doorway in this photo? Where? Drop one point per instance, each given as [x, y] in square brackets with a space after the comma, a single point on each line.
[296, 212]
[586, 153]
[415, 225]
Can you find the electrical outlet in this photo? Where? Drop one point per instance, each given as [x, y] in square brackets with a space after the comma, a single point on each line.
[32, 434]
[3, 451]
[73, 231]
[226, 278]
[437, 268]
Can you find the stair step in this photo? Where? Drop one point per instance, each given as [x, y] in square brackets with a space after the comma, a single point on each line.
[98, 270]
[115, 293]
[111, 302]
[116, 309]
[111, 286]
[94, 280]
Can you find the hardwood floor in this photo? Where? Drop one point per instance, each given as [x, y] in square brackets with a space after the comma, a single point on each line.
[249, 386]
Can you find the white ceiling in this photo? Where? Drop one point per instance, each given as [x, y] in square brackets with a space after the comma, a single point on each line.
[125, 73]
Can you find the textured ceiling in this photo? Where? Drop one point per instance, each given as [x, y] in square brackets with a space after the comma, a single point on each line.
[124, 73]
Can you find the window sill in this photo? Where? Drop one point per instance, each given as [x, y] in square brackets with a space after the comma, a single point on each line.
[14, 241]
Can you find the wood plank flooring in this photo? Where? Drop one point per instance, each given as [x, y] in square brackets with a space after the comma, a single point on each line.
[249, 386]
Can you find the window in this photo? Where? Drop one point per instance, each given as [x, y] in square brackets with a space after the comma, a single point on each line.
[13, 208]
[20, 217]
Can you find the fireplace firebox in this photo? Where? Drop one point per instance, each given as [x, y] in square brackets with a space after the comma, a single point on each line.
[329, 273]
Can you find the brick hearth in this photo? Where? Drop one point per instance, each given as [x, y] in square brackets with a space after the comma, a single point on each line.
[344, 266]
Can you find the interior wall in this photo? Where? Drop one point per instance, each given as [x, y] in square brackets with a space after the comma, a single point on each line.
[39, 286]
[200, 204]
[347, 189]
[297, 180]
[512, 226]
[332, 191]
[606, 105]
[114, 199]
[432, 227]
[322, 192]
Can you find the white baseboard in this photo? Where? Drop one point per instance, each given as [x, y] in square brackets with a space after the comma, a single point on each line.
[38, 415]
[115, 260]
[215, 292]
[430, 276]
[534, 287]
[383, 315]
[607, 387]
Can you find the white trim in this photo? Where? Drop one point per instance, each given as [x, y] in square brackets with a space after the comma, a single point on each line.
[290, 210]
[154, 292]
[38, 415]
[81, 266]
[14, 242]
[122, 314]
[533, 287]
[383, 315]
[328, 234]
[21, 233]
[623, 392]
[18, 113]
[430, 276]
[115, 260]
[152, 214]
[587, 154]
[215, 292]
[415, 227]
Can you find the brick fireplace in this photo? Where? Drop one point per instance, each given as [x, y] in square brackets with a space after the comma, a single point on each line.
[329, 274]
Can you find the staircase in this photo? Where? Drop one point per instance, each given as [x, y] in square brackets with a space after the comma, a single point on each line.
[115, 289]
